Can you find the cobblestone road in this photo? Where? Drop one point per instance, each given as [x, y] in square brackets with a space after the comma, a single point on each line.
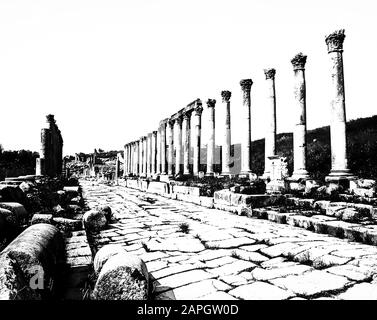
[225, 256]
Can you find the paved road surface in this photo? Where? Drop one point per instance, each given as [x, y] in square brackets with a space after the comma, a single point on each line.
[225, 256]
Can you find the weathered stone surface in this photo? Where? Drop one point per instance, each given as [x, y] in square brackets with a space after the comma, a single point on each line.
[19, 214]
[107, 212]
[260, 291]
[94, 220]
[123, 277]
[268, 274]
[39, 247]
[361, 291]
[67, 224]
[12, 194]
[104, 254]
[41, 218]
[311, 283]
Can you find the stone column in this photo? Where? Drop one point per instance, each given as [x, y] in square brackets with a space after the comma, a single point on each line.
[158, 152]
[178, 144]
[149, 154]
[186, 142]
[197, 137]
[299, 133]
[117, 168]
[145, 156]
[125, 160]
[270, 137]
[132, 151]
[211, 138]
[136, 158]
[153, 152]
[246, 127]
[170, 127]
[226, 143]
[140, 170]
[163, 147]
[339, 164]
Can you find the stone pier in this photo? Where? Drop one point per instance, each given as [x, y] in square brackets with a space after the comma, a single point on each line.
[149, 154]
[145, 156]
[186, 142]
[50, 161]
[227, 140]
[339, 163]
[125, 161]
[270, 137]
[246, 127]
[197, 136]
[299, 133]
[211, 138]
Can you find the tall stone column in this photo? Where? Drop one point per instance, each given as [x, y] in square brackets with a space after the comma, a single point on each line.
[246, 127]
[125, 164]
[186, 142]
[339, 163]
[170, 127]
[226, 143]
[299, 133]
[140, 157]
[270, 137]
[136, 158]
[149, 154]
[211, 138]
[197, 136]
[130, 158]
[178, 144]
[132, 151]
[158, 151]
[163, 147]
[153, 152]
[145, 156]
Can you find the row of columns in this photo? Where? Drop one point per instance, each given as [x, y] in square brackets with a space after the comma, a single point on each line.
[155, 153]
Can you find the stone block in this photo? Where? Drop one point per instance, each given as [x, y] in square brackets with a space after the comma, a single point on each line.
[40, 248]
[158, 187]
[123, 277]
[41, 218]
[19, 214]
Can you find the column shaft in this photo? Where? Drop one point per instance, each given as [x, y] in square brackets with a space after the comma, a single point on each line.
[226, 143]
[163, 148]
[246, 127]
[178, 145]
[211, 137]
[170, 127]
[197, 137]
[186, 143]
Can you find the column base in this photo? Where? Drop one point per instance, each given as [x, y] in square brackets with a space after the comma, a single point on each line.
[299, 175]
[340, 175]
[227, 174]
[248, 175]
[209, 174]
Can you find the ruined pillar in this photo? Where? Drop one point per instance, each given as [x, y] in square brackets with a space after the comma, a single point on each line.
[186, 141]
[132, 155]
[246, 127]
[197, 136]
[339, 163]
[170, 127]
[299, 133]
[226, 143]
[136, 160]
[270, 136]
[125, 161]
[178, 144]
[211, 137]
[163, 147]
[158, 151]
[153, 152]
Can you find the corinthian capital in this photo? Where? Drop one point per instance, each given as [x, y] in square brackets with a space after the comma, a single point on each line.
[211, 103]
[270, 73]
[299, 61]
[335, 40]
[226, 95]
[198, 110]
[187, 115]
[246, 84]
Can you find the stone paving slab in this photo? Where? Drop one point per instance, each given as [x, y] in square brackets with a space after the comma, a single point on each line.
[226, 256]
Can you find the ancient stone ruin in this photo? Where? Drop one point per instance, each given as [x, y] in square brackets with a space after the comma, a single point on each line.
[50, 161]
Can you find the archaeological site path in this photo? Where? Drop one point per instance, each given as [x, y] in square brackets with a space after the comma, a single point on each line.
[225, 256]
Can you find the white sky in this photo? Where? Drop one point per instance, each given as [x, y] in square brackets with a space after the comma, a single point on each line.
[111, 70]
